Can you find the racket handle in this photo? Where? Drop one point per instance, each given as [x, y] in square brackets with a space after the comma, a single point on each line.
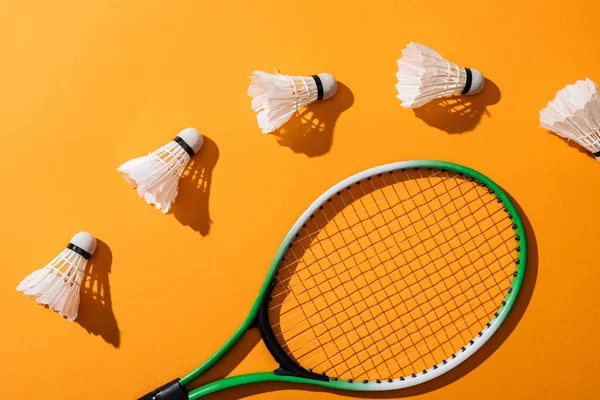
[170, 391]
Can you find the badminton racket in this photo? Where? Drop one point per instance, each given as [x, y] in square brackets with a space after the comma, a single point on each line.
[391, 278]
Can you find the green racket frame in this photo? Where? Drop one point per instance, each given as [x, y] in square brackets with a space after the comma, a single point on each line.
[390, 384]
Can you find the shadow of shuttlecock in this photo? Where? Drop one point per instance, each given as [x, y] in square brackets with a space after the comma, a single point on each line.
[191, 206]
[459, 114]
[310, 130]
[95, 307]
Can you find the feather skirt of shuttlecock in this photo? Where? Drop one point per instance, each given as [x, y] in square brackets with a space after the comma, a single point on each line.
[575, 114]
[424, 75]
[57, 285]
[275, 98]
[156, 176]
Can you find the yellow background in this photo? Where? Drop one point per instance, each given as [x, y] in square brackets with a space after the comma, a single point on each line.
[88, 85]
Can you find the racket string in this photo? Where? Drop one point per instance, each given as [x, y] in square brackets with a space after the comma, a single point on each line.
[412, 344]
[354, 244]
[442, 255]
[424, 314]
[408, 311]
[339, 231]
[308, 236]
[288, 299]
[447, 312]
[376, 339]
[467, 300]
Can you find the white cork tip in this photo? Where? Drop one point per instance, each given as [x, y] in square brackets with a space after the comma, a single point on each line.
[193, 138]
[84, 241]
[329, 85]
[477, 82]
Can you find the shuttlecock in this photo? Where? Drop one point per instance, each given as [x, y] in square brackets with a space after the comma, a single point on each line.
[156, 176]
[575, 115]
[424, 75]
[275, 98]
[57, 285]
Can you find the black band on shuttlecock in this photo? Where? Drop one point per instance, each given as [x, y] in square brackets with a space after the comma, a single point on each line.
[320, 92]
[468, 83]
[596, 154]
[184, 146]
[79, 251]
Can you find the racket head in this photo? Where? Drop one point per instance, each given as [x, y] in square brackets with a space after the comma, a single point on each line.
[343, 344]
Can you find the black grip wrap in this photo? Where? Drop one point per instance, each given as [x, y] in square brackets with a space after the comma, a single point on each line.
[320, 92]
[468, 82]
[184, 146]
[171, 391]
[79, 251]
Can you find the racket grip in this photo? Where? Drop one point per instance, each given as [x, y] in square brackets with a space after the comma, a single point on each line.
[170, 391]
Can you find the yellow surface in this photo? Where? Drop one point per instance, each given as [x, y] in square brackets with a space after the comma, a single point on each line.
[88, 85]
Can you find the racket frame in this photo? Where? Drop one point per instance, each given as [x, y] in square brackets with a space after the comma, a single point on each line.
[284, 375]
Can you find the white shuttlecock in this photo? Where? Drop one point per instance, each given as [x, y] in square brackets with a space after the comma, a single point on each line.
[156, 176]
[575, 115]
[275, 98]
[424, 75]
[57, 285]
